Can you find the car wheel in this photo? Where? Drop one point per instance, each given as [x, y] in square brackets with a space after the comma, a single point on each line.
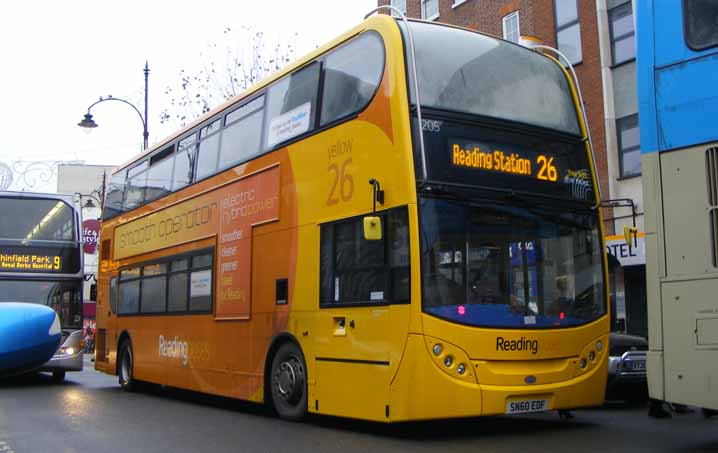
[125, 366]
[288, 383]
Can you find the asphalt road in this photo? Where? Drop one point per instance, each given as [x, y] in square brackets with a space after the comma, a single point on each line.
[89, 413]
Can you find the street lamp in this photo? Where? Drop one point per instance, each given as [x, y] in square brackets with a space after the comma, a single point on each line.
[88, 122]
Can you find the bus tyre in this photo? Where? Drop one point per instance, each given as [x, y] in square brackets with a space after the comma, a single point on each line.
[125, 366]
[288, 382]
[58, 376]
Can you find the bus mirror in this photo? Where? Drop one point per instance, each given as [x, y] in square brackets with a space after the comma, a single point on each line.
[628, 233]
[372, 228]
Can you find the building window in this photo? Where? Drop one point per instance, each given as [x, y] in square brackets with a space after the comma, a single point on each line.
[457, 3]
[623, 40]
[400, 5]
[629, 145]
[699, 23]
[511, 27]
[429, 9]
[568, 30]
[354, 270]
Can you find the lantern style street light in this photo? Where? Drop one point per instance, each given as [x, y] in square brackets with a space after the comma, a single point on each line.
[88, 122]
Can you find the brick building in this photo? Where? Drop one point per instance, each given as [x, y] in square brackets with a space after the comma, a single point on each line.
[598, 37]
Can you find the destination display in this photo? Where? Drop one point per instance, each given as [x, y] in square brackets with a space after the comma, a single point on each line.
[55, 260]
[502, 159]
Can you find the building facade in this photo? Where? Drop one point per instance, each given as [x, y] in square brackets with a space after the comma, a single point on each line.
[86, 183]
[598, 37]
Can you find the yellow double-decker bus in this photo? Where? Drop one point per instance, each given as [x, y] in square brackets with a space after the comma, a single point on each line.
[401, 225]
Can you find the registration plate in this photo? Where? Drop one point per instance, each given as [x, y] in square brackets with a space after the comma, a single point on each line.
[638, 365]
[526, 406]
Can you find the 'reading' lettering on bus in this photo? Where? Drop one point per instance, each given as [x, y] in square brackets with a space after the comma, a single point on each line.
[495, 160]
[522, 344]
[174, 349]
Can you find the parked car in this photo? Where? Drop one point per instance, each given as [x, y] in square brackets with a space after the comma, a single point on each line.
[627, 367]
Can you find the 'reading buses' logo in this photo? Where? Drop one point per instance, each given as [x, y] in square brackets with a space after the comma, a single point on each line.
[174, 349]
[522, 344]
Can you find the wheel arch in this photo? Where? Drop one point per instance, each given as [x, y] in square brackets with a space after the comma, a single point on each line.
[124, 336]
[275, 343]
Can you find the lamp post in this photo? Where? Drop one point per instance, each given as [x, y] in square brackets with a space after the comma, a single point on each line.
[88, 122]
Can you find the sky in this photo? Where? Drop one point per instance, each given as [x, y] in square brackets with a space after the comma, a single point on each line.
[60, 57]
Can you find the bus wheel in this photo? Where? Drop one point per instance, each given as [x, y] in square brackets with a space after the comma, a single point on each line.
[289, 382]
[58, 376]
[125, 364]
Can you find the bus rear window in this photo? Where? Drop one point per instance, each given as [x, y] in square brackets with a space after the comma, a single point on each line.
[462, 71]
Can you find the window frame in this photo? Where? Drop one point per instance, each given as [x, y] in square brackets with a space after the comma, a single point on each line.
[687, 36]
[403, 10]
[505, 20]
[351, 114]
[628, 119]
[423, 10]
[167, 260]
[387, 267]
[614, 14]
[566, 26]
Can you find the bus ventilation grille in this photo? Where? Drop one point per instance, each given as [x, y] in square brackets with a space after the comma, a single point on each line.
[712, 185]
[100, 352]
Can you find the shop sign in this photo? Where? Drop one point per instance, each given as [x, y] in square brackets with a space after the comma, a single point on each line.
[628, 256]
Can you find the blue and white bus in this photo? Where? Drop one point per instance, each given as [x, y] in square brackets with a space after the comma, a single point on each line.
[41, 276]
[677, 66]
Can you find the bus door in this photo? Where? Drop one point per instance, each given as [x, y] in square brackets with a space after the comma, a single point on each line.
[363, 317]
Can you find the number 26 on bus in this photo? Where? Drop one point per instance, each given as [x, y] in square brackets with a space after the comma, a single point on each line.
[342, 184]
[547, 170]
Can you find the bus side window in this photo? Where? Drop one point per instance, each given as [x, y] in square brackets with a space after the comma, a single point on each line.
[182, 174]
[242, 133]
[351, 76]
[699, 26]
[291, 105]
[208, 150]
[113, 294]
